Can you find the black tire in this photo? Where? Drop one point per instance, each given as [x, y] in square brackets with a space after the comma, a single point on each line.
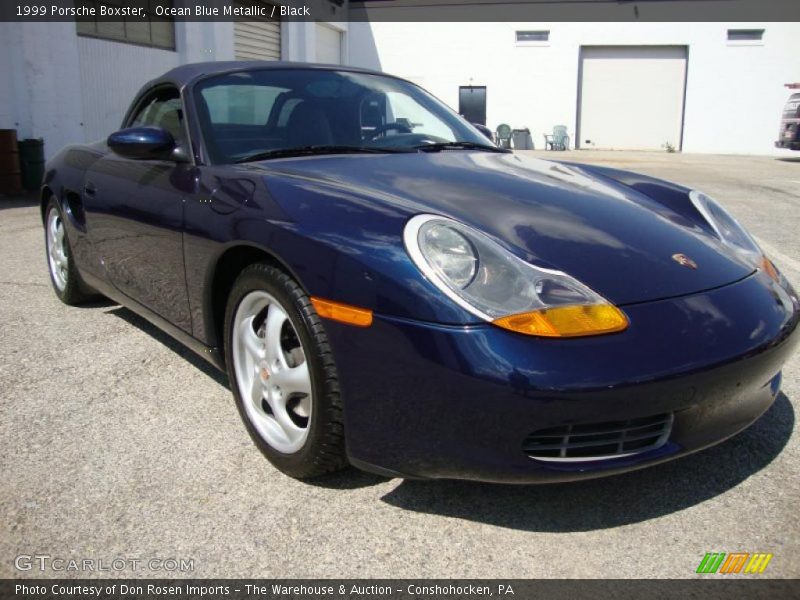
[75, 291]
[324, 448]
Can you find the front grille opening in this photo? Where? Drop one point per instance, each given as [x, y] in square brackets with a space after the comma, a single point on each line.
[599, 441]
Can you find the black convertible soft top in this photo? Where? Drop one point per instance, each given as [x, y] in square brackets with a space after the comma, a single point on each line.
[186, 74]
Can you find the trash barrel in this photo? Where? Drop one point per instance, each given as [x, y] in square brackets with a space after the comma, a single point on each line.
[521, 138]
[10, 175]
[31, 159]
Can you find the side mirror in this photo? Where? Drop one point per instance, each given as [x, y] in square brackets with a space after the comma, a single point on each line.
[484, 130]
[143, 143]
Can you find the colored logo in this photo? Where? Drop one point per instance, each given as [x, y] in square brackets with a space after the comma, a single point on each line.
[735, 562]
[684, 261]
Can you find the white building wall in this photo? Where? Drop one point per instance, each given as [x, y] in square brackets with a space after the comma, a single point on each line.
[734, 93]
[70, 89]
[112, 72]
[40, 60]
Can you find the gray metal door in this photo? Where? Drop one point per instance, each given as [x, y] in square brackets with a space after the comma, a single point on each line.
[472, 103]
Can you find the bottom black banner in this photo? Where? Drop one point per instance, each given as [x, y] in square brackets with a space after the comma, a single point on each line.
[401, 589]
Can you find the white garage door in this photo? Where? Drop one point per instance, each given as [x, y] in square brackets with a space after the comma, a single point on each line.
[257, 39]
[329, 45]
[631, 98]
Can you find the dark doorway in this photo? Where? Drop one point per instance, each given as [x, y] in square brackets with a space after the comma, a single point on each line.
[472, 103]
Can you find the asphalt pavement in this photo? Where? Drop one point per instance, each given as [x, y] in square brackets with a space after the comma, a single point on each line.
[116, 442]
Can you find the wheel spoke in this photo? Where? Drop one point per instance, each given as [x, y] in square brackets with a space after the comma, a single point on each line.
[282, 418]
[275, 320]
[56, 249]
[294, 380]
[303, 407]
[253, 344]
[277, 398]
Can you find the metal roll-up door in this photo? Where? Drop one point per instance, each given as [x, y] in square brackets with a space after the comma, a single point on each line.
[631, 97]
[329, 45]
[257, 38]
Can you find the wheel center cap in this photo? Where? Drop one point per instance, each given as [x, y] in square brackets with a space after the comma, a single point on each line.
[264, 373]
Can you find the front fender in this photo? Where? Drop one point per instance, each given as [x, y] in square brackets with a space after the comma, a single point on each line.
[348, 246]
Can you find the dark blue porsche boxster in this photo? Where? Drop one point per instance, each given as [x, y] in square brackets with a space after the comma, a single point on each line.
[386, 288]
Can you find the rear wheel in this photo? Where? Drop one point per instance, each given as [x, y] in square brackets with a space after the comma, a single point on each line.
[282, 373]
[64, 275]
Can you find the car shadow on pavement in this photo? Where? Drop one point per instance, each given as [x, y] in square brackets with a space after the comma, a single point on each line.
[19, 201]
[349, 479]
[167, 340]
[97, 302]
[613, 501]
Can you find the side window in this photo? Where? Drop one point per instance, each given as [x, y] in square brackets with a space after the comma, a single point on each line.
[240, 104]
[164, 110]
[792, 108]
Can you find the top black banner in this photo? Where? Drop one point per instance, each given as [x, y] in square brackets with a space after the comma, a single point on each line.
[31, 11]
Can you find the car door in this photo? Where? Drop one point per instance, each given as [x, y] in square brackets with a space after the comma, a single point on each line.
[135, 207]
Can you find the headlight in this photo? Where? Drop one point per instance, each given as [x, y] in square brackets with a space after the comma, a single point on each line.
[490, 282]
[733, 234]
[451, 254]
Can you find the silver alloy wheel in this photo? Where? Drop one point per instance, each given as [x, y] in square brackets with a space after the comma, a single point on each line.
[56, 249]
[272, 373]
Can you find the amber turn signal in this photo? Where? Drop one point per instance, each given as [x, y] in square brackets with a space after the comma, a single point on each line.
[344, 313]
[567, 321]
[770, 269]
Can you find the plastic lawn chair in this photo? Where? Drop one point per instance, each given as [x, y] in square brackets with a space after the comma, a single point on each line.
[503, 134]
[558, 140]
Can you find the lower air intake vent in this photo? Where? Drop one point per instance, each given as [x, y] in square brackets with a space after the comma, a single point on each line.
[598, 441]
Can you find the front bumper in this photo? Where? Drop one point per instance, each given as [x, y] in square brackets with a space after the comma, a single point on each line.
[426, 400]
[788, 144]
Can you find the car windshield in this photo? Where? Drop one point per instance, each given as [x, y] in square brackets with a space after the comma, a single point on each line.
[264, 113]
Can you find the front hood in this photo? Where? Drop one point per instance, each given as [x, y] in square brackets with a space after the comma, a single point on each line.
[612, 238]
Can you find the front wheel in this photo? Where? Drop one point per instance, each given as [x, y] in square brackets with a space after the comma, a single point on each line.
[64, 274]
[282, 373]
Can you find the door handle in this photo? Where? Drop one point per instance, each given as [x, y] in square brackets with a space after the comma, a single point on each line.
[89, 189]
